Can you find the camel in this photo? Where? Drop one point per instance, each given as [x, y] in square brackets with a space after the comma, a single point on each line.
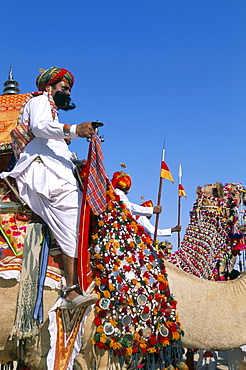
[187, 289]
[205, 325]
[203, 307]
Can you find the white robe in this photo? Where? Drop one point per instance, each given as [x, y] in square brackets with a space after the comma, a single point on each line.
[135, 209]
[144, 212]
[49, 188]
[150, 229]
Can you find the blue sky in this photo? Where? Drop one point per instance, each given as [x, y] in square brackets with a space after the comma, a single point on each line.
[144, 68]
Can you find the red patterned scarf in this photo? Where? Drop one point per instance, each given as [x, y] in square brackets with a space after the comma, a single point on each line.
[94, 200]
[97, 178]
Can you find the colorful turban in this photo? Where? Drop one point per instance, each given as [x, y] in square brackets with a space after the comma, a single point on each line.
[121, 180]
[52, 76]
[148, 203]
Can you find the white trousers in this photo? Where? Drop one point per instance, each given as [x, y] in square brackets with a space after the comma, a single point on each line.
[55, 200]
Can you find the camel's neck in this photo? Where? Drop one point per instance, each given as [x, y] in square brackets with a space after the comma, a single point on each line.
[212, 313]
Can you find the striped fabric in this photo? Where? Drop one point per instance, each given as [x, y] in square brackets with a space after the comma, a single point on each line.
[97, 178]
[21, 136]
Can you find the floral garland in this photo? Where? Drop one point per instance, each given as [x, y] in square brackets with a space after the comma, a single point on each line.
[135, 313]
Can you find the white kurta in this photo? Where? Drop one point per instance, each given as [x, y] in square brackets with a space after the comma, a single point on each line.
[135, 209]
[150, 229]
[49, 188]
[143, 212]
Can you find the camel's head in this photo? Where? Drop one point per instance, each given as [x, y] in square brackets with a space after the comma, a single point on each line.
[224, 200]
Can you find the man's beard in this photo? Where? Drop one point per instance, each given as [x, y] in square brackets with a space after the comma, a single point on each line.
[63, 101]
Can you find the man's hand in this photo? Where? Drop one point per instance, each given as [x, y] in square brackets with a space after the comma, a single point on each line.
[176, 228]
[85, 129]
[157, 209]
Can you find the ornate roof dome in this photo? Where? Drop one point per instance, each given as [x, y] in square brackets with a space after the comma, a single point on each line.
[10, 86]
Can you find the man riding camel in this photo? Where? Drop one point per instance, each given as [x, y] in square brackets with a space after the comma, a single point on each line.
[122, 182]
[44, 172]
[149, 228]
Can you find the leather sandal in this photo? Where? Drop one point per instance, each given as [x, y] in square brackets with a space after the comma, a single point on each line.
[79, 301]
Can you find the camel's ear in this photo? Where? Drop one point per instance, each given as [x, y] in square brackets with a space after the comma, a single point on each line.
[219, 188]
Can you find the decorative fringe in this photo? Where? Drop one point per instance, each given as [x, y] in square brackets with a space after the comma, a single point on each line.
[171, 355]
[25, 326]
[7, 366]
[135, 360]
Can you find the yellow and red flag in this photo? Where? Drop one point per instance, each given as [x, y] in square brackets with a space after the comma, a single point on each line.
[165, 172]
[182, 192]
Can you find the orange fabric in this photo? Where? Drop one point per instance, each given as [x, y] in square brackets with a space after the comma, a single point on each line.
[10, 106]
[68, 323]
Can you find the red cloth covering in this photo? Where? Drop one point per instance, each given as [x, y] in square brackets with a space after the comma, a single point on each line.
[94, 199]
